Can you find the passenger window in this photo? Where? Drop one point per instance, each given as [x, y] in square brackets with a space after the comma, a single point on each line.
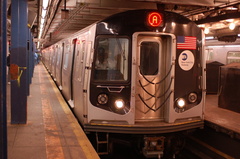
[209, 54]
[58, 55]
[65, 65]
[83, 49]
[149, 58]
[83, 44]
[233, 56]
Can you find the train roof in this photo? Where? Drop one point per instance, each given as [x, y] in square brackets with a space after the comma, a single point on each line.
[128, 22]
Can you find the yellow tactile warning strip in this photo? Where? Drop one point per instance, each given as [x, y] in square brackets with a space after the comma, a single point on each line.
[82, 139]
[50, 125]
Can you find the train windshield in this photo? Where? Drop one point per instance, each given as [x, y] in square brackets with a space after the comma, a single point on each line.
[111, 59]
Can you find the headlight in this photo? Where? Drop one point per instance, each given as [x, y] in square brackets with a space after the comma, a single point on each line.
[119, 104]
[181, 103]
[102, 98]
[192, 97]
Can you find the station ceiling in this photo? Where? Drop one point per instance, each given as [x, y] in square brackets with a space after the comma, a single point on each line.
[64, 17]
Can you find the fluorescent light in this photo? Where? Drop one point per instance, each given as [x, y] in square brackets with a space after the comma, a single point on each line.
[231, 8]
[206, 30]
[44, 11]
[232, 45]
[209, 38]
[232, 26]
[201, 25]
[215, 46]
[43, 15]
[40, 34]
[223, 46]
[42, 21]
[45, 4]
[229, 20]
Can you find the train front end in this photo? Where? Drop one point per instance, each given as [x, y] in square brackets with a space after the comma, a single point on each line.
[147, 76]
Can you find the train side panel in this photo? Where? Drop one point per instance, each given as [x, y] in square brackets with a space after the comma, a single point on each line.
[81, 71]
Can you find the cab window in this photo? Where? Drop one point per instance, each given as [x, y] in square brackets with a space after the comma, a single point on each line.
[111, 59]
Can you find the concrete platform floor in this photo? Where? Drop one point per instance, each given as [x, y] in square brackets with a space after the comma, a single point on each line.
[219, 116]
[51, 132]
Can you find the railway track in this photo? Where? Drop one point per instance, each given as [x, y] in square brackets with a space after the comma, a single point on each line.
[206, 143]
[196, 149]
[209, 144]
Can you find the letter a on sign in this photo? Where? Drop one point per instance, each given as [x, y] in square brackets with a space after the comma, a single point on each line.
[154, 19]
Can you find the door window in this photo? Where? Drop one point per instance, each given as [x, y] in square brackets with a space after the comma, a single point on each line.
[149, 58]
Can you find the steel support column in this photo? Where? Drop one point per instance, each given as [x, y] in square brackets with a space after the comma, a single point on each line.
[27, 64]
[19, 62]
[31, 57]
[3, 52]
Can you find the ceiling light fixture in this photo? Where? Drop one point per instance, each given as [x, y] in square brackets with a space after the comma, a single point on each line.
[229, 20]
[232, 26]
[209, 38]
[206, 30]
[43, 18]
[45, 4]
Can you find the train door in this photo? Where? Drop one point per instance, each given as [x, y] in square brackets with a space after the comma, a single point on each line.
[50, 59]
[59, 65]
[80, 75]
[74, 50]
[53, 71]
[154, 82]
[78, 69]
[67, 70]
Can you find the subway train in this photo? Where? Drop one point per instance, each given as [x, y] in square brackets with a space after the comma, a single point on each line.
[139, 74]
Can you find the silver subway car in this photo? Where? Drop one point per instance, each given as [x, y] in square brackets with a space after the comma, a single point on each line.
[139, 73]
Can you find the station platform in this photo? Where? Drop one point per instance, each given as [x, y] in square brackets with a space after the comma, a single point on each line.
[51, 132]
[223, 120]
